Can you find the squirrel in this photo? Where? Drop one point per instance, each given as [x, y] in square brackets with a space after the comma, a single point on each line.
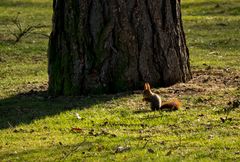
[156, 102]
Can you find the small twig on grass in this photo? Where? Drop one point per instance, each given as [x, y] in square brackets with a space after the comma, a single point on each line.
[73, 150]
[10, 124]
[145, 144]
[21, 31]
[232, 105]
[76, 148]
[42, 34]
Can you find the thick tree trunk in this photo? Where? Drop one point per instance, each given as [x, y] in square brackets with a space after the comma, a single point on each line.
[101, 46]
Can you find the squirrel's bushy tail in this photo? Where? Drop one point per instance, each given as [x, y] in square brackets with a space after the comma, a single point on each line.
[171, 105]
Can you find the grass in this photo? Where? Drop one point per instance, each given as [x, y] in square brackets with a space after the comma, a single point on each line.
[34, 127]
[212, 32]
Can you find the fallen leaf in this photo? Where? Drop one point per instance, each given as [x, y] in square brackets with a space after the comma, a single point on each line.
[222, 119]
[169, 153]
[151, 150]
[91, 132]
[121, 149]
[31, 131]
[113, 135]
[162, 142]
[77, 130]
[43, 138]
[78, 116]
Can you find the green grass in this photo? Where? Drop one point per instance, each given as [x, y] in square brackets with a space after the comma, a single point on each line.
[34, 127]
[212, 32]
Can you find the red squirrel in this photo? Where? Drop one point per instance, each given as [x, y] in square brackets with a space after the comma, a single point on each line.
[156, 102]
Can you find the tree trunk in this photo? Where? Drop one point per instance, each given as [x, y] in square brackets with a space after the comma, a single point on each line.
[107, 46]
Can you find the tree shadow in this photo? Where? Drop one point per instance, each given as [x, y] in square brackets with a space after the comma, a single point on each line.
[7, 41]
[27, 107]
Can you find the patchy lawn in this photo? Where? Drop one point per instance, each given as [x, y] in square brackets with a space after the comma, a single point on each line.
[35, 127]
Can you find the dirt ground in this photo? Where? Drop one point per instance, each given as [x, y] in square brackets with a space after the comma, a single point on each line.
[208, 86]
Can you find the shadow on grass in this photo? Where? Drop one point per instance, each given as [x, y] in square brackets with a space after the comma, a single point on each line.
[27, 107]
[7, 42]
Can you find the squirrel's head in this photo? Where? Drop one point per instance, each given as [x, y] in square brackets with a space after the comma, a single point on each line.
[147, 91]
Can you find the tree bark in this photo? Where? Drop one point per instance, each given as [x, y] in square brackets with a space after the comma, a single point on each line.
[107, 46]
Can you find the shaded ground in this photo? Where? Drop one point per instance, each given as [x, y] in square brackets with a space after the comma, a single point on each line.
[204, 81]
[209, 86]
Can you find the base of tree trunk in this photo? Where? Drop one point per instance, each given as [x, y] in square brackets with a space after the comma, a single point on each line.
[112, 46]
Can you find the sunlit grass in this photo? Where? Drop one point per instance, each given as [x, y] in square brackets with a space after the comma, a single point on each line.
[35, 127]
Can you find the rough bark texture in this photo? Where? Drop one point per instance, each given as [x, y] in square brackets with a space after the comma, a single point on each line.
[99, 46]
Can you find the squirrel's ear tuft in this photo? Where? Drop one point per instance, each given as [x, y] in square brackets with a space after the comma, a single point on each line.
[147, 86]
